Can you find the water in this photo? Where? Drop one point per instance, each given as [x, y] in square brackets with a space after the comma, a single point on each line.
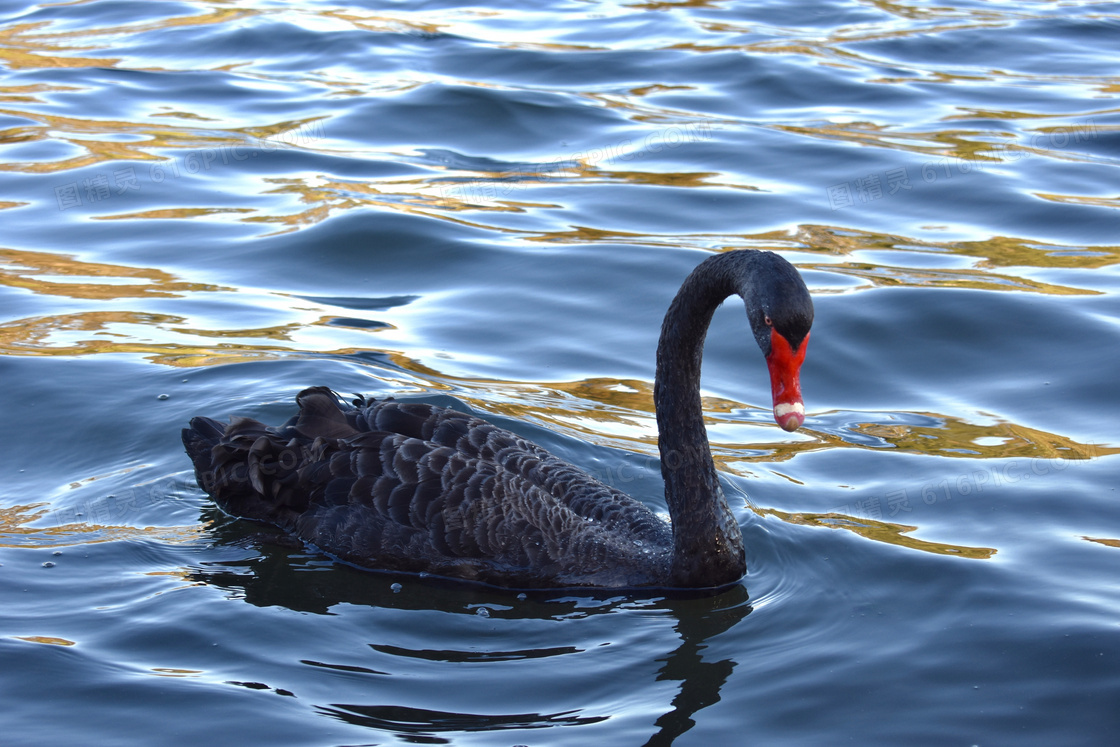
[208, 206]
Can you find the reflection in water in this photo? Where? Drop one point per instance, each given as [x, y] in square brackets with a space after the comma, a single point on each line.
[610, 412]
[49, 640]
[965, 135]
[31, 45]
[197, 151]
[424, 725]
[50, 274]
[165, 338]
[56, 335]
[21, 526]
[880, 531]
[702, 677]
[950, 437]
[279, 574]
[880, 275]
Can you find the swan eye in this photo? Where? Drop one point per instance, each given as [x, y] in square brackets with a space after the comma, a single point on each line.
[766, 319]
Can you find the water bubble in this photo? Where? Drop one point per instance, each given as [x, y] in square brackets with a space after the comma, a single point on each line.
[637, 543]
[48, 564]
[482, 612]
[522, 596]
[164, 396]
[396, 588]
[56, 553]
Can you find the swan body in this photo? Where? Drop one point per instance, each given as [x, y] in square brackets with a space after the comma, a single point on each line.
[419, 488]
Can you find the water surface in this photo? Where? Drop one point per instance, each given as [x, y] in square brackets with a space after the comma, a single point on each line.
[207, 206]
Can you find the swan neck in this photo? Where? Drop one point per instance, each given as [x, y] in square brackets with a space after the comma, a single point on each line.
[708, 545]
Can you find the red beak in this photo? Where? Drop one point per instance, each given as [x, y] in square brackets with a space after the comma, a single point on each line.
[785, 382]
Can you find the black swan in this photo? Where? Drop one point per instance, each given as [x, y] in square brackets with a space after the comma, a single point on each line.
[413, 487]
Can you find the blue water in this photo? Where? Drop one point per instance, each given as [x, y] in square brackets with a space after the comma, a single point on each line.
[205, 207]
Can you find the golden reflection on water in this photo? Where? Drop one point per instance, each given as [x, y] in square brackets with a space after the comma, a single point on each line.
[109, 141]
[960, 439]
[16, 530]
[172, 214]
[112, 332]
[612, 412]
[45, 639]
[879, 531]
[379, 22]
[32, 45]
[36, 45]
[95, 331]
[883, 276]
[471, 189]
[53, 274]
[20, 48]
[998, 251]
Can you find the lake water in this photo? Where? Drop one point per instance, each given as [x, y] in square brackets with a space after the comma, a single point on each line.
[207, 206]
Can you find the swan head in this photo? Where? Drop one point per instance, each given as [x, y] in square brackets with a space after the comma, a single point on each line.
[780, 311]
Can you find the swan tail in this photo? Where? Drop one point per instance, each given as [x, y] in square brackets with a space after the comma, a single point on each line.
[262, 473]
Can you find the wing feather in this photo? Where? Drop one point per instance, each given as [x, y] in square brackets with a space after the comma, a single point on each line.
[410, 486]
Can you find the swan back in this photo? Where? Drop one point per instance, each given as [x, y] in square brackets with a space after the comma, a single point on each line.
[415, 487]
